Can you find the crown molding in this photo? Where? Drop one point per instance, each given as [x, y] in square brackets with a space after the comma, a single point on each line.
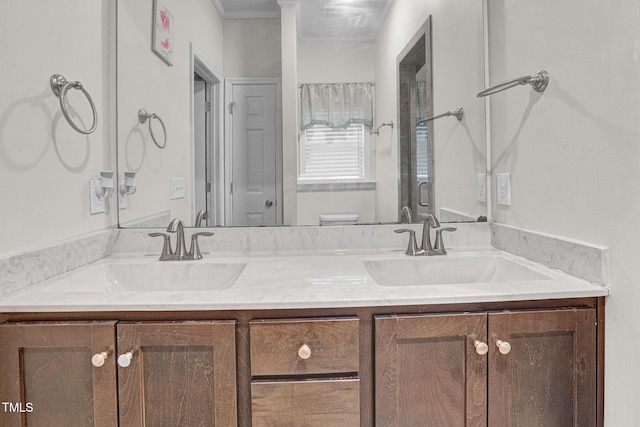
[219, 6]
[287, 3]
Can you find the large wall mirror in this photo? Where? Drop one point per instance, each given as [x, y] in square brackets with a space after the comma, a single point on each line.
[209, 138]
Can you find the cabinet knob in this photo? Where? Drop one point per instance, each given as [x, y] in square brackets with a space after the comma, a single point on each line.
[481, 347]
[98, 359]
[304, 352]
[503, 347]
[124, 360]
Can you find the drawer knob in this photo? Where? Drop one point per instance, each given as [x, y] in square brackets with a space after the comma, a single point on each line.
[98, 359]
[304, 352]
[503, 347]
[481, 347]
[124, 360]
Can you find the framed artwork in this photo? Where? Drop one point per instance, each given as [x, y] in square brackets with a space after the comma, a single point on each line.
[162, 38]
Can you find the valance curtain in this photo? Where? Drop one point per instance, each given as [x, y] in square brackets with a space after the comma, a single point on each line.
[336, 105]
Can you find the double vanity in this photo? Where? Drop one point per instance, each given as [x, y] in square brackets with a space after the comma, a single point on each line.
[272, 332]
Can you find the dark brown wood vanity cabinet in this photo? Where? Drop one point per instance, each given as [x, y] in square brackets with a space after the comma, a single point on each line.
[167, 373]
[304, 372]
[510, 368]
[521, 363]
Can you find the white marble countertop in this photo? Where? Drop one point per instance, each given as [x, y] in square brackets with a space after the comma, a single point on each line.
[328, 279]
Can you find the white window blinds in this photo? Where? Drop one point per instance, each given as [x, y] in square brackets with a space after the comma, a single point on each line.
[334, 154]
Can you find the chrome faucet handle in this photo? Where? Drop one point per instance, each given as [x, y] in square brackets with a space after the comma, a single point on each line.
[439, 249]
[194, 251]
[167, 252]
[412, 247]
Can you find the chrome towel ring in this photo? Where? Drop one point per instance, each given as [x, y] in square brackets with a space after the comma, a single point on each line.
[143, 116]
[538, 81]
[60, 86]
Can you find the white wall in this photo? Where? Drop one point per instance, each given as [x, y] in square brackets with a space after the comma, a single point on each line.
[252, 48]
[458, 75]
[336, 63]
[573, 152]
[146, 81]
[45, 166]
[313, 204]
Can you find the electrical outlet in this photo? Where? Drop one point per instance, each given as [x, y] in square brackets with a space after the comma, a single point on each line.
[481, 187]
[177, 188]
[122, 199]
[503, 189]
[96, 204]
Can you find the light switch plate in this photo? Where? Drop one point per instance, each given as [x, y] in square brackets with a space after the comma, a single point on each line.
[177, 188]
[481, 187]
[96, 204]
[503, 189]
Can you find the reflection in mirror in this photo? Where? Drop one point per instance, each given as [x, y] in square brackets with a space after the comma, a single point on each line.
[415, 103]
[218, 157]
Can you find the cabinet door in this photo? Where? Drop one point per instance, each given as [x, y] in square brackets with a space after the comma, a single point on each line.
[179, 374]
[429, 372]
[47, 377]
[548, 378]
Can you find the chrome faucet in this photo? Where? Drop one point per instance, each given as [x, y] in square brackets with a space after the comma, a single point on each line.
[176, 226]
[426, 248]
[405, 214]
[430, 221]
[201, 215]
[180, 253]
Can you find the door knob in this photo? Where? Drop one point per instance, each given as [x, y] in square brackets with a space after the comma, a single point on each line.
[268, 203]
[124, 360]
[503, 347]
[98, 359]
[304, 352]
[481, 347]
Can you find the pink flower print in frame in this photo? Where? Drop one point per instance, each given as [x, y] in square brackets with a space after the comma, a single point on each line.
[162, 43]
[164, 18]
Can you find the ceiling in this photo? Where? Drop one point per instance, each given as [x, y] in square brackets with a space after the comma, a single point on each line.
[319, 20]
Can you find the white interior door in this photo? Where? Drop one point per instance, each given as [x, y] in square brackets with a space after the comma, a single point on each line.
[254, 146]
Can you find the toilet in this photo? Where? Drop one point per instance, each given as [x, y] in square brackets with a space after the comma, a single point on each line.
[339, 219]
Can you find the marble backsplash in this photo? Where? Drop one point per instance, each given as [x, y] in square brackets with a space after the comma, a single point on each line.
[580, 259]
[239, 241]
[20, 270]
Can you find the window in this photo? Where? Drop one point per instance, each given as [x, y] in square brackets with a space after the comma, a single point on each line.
[335, 119]
[422, 153]
[334, 154]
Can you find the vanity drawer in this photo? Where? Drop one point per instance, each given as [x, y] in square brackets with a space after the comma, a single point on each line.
[309, 403]
[304, 346]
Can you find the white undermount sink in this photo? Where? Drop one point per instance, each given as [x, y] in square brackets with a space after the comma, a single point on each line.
[149, 276]
[449, 270]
